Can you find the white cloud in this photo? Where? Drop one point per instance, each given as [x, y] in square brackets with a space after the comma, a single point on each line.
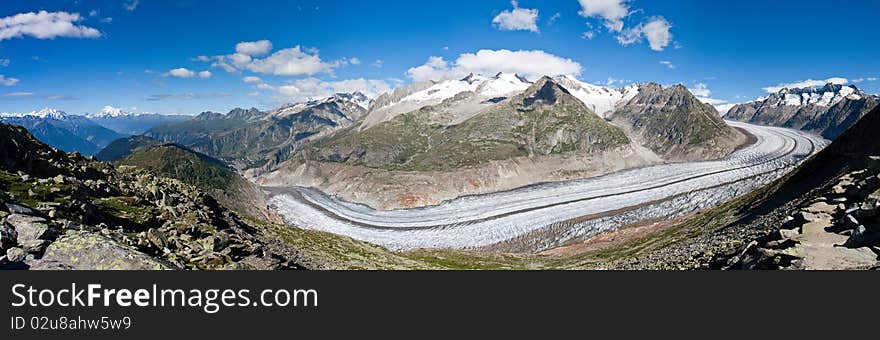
[19, 94]
[588, 35]
[806, 83]
[4, 62]
[355, 61]
[554, 18]
[6, 81]
[518, 19]
[252, 80]
[611, 11]
[378, 63]
[854, 81]
[130, 5]
[45, 25]
[254, 48]
[701, 90]
[656, 31]
[295, 61]
[181, 73]
[668, 64]
[313, 88]
[531, 64]
[205, 74]
[93, 13]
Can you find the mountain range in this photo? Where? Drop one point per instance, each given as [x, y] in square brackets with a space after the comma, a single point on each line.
[86, 134]
[253, 139]
[132, 123]
[827, 110]
[434, 141]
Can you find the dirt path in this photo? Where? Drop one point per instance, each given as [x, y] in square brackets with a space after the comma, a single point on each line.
[823, 250]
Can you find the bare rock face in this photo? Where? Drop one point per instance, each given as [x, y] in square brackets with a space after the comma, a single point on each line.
[676, 125]
[90, 251]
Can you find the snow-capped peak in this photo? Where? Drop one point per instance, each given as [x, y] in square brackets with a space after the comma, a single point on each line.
[46, 113]
[600, 99]
[503, 84]
[114, 112]
[827, 95]
[356, 98]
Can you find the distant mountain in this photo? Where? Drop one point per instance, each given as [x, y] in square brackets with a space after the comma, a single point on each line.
[827, 110]
[66, 132]
[131, 123]
[458, 99]
[676, 125]
[254, 139]
[544, 119]
[600, 99]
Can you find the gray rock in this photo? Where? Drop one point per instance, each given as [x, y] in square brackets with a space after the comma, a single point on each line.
[28, 228]
[15, 254]
[8, 236]
[20, 209]
[89, 251]
[861, 237]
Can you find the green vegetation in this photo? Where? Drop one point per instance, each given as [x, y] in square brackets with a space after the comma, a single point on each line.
[412, 142]
[173, 161]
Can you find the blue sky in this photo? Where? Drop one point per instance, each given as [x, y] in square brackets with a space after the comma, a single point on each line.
[84, 54]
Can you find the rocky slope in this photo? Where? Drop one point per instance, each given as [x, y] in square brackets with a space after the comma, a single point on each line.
[64, 211]
[675, 124]
[821, 216]
[828, 110]
[67, 132]
[178, 162]
[251, 139]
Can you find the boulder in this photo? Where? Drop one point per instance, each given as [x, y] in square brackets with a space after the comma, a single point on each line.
[15, 255]
[20, 209]
[28, 228]
[8, 236]
[88, 251]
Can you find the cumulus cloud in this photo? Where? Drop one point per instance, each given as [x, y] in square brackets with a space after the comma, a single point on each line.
[294, 61]
[701, 90]
[254, 48]
[656, 30]
[45, 25]
[8, 81]
[703, 94]
[252, 80]
[313, 88]
[378, 63]
[668, 64]
[806, 83]
[181, 73]
[611, 11]
[517, 19]
[531, 64]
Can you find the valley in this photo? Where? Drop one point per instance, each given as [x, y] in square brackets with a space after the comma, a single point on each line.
[543, 216]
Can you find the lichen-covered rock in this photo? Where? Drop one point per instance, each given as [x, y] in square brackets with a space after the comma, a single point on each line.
[15, 254]
[89, 251]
